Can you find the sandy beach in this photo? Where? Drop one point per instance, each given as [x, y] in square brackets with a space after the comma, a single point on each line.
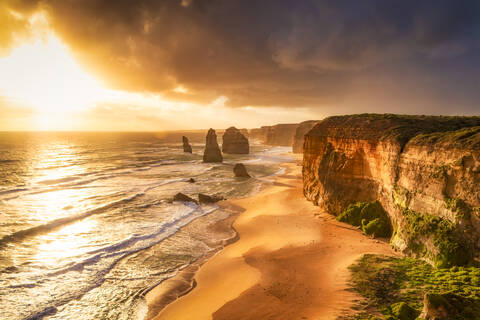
[290, 262]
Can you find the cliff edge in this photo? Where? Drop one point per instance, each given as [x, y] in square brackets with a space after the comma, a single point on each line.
[423, 170]
[299, 136]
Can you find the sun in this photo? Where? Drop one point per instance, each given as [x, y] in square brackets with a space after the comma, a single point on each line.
[42, 75]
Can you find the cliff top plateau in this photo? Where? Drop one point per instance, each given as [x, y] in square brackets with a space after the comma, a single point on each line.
[390, 126]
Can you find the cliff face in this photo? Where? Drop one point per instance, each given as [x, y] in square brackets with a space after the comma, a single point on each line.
[277, 135]
[300, 132]
[259, 134]
[281, 134]
[425, 171]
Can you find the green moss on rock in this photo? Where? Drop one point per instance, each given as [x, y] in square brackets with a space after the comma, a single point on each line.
[466, 138]
[437, 240]
[402, 311]
[393, 285]
[450, 306]
[370, 216]
[458, 205]
[379, 227]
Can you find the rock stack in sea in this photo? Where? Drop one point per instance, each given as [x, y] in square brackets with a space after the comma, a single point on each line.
[186, 145]
[212, 150]
[234, 142]
[240, 171]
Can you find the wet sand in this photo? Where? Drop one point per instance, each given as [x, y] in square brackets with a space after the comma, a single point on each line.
[290, 262]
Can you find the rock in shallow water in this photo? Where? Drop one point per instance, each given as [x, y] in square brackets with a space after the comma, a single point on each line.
[212, 150]
[183, 198]
[240, 171]
[203, 198]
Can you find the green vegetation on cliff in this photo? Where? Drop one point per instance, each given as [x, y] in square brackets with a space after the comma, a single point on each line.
[394, 288]
[370, 216]
[467, 138]
[437, 240]
[397, 127]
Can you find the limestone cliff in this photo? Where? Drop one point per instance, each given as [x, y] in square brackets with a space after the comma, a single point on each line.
[277, 135]
[302, 129]
[424, 170]
[234, 142]
[259, 134]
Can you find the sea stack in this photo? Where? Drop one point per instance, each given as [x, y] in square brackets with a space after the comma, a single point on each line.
[186, 145]
[234, 142]
[212, 150]
[240, 171]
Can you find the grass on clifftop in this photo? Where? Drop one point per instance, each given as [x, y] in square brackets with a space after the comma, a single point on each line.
[397, 127]
[370, 216]
[463, 138]
[394, 287]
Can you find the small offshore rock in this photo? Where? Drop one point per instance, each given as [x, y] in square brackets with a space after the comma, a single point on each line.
[186, 145]
[212, 151]
[204, 198]
[183, 198]
[240, 171]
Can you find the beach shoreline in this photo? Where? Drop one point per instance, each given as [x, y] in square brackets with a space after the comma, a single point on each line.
[289, 260]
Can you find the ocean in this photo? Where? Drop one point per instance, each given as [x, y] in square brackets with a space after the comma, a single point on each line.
[87, 225]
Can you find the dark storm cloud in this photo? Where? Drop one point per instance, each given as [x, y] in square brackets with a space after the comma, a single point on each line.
[278, 52]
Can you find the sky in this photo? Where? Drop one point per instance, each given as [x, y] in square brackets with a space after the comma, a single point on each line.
[153, 65]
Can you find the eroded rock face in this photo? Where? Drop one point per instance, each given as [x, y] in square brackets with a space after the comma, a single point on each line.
[302, 129]
[449, 306]
[186, 145]
[259, 134]
[234, 142]
[240, 171]
[425, 171]
[212, 151]
[277, 135]
[281, 134]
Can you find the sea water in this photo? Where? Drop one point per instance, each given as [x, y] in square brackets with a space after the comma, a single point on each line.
[87, 225]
